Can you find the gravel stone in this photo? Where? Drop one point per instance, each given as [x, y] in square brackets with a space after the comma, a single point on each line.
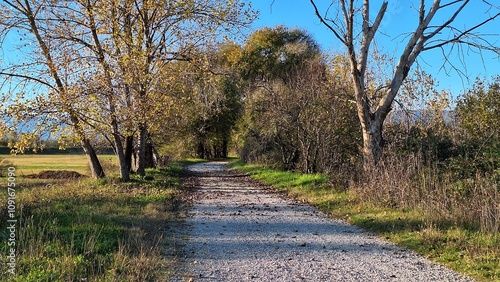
[238, 230]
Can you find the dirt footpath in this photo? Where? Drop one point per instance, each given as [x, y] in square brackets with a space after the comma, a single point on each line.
[240, 231]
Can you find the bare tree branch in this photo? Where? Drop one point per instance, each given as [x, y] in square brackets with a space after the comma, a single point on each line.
[423, 38]
[326, 24]
[449, 21]
[457, 38]
[29, 78]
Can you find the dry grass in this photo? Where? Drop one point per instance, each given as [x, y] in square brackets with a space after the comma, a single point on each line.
[458, 220]
[408, 183]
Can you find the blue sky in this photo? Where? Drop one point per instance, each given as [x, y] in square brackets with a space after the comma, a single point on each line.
[401, 17]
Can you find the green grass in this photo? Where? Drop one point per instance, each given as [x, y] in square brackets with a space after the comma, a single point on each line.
[33, 163]
[462, 248]
[89, 230]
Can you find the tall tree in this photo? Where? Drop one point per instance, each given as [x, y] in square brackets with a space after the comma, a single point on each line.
[351, 23]
[139, 38]
[274, 53]
[158, 33]
[32, 18]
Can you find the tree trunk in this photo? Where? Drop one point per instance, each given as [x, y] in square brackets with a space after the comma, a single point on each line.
[225, 144]
[129, 151]
[373, 143]
[200, 150]
[156, 157]
[141, 158]
[124, 169]
[95, 164]
[149, 154]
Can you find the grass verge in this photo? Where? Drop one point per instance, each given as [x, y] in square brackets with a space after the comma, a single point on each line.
[89, 230]
[460, 247]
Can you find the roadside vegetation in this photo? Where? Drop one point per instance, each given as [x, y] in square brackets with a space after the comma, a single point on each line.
[83, 230]
[459, 244]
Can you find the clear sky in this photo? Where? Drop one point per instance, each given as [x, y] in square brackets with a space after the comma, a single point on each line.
[400, 17]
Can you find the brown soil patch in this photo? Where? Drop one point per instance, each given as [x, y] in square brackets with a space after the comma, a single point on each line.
[57, 174]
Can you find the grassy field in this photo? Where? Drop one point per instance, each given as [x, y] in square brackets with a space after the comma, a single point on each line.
[87, 230]
[462, 248]
[33, 164]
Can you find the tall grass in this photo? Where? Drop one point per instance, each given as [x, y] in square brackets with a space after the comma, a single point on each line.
[94, 231]
[458, 220]
[407, 182]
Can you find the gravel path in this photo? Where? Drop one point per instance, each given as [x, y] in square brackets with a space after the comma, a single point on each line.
[240, 231]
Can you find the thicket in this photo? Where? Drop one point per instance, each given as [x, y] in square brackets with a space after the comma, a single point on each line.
[297, 115]
[440, 156]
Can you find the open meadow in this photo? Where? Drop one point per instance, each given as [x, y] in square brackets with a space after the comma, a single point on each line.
[35, 163]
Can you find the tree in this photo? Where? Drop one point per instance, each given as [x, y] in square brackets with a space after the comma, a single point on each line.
[273, 53]
[52, 63]
[478, 110]
[216, 116]
[138, 39]
[294, 104]
[355, 28]
[271, 58]
[150, 34]
[208, 97]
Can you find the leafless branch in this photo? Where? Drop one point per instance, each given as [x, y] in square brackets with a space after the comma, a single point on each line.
[457, 39]
[316, 10]
[29, 78]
